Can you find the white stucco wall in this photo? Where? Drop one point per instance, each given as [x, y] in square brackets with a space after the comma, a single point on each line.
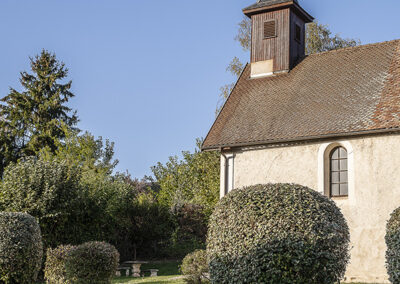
[374, 189]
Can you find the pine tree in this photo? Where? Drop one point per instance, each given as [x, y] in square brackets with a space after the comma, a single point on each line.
[37, 117]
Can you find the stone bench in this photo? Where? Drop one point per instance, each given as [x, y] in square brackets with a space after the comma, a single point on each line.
[153, 272]
[120, 269]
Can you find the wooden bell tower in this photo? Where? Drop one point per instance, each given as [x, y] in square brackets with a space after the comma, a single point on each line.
[278, 35]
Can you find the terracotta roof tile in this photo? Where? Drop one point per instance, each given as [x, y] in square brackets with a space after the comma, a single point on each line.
[337, 92]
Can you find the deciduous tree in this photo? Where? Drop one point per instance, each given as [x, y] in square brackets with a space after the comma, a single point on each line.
[194, 179]
[85, 151]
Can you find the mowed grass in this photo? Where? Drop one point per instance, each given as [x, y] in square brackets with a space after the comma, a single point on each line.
[173, 279]
[168, 273]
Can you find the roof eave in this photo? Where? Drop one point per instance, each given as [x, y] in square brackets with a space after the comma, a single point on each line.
[252, 11]
[215, 121]
[300, 139]
[307, 17]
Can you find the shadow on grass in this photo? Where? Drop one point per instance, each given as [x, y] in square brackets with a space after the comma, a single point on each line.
[122, 280]
[164, 269]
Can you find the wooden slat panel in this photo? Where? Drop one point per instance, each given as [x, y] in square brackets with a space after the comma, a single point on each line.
[276, 48]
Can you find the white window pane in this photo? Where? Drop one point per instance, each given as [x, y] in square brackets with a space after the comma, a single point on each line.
[335, 165]
[343, 165]
[335, 177]
[343, 176]
[344, 189]
[335, 154]
[335, 189]
[343, 153]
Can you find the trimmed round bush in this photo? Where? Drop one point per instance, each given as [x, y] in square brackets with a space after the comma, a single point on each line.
[195, 267]
[21, 248]
[92, 262]
[54, 271]
[393, 247]
[277, 233]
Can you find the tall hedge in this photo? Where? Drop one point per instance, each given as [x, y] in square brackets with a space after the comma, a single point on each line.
[20, 248]
[393, 247]
[49, 191]
[277, 233]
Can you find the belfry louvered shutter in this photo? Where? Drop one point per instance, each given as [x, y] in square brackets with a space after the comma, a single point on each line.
[270, 29]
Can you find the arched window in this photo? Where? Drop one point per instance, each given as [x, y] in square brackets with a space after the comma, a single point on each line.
[339, 181]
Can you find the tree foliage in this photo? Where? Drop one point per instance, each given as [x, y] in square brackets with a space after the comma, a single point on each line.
[36, 118]
[244, 34]
[190, 231]
[189, 187]
[318, 39]
[49, 191]
[74, 205]
[147, 225]
[66, 178]
[85, 151]
[194, 179]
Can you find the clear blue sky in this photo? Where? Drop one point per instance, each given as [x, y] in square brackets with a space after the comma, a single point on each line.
[146, 74]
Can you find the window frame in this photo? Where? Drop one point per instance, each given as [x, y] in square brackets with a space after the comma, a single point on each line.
[276, 28]
[331, 171]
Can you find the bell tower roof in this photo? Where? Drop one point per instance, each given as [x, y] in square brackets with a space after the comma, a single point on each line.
[268, 5]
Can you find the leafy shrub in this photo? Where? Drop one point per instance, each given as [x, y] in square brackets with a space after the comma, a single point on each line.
[46, 190]
[277, 233]
[195, 267]
[75, 204]
[191, 221]
[190, 230]
[192, 179]
[393, 247]
[20, 248]
[54, 271]
[92, 262]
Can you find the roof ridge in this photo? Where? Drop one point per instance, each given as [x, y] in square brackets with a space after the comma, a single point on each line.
[355, 47]
[267, 3]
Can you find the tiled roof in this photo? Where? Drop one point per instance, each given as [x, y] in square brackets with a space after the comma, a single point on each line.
[266, 3]
[339, 92]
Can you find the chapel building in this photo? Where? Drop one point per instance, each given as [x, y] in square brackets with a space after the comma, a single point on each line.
[329, 121]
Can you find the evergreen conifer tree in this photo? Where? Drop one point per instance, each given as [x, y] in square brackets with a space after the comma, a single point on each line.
[37, 117]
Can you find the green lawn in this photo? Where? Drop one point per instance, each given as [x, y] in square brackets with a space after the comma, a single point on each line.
[173, 279]
[168, 273]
